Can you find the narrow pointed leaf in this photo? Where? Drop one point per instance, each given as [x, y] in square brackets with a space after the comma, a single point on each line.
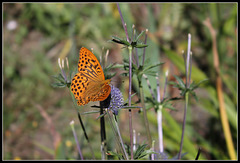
[58, 85]
[194, 95]
[180, 81]
[139, 150]
[141, 45]
[101, 115]
[90, 112]
[152, 66]
[202, 81]
[140, 35]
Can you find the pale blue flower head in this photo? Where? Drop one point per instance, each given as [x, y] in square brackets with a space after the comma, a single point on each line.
[116, 102]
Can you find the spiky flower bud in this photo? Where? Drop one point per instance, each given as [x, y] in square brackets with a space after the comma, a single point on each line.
[116, 102]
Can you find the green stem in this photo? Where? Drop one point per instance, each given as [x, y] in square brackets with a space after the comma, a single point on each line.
[160, 130]
[117, 135]
[129, 100]
[120, 138]
[184, 124]
[145, 115]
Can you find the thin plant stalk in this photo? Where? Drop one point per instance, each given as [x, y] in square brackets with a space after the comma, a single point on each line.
[153, 96]
[165, 85]
[184, 124]
[137, 58]
[76, 139]
[83, 128]
[130, 80]
[117, 136]
[159, 118]
[133, 32]
[145, 115]
[159, 112]
[85, 134]
[134, 140]
[120, 138]
[142, 97]
[188, 60]
[160, 131]
[190, 71]
[222, 109]
[129, 100]
[102, 119]
[136, 50]
[198, 154]
[79, 116]
[152, 155]
[144, 49]
[149, 86]
[186, 94]
[123, 23]
[103, 134]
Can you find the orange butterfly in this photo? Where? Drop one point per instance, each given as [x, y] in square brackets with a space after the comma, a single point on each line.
[89, 83]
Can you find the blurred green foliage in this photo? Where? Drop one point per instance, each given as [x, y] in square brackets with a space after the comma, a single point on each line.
[30, 54]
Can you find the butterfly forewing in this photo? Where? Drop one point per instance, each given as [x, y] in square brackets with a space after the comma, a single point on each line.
[89, 65]
[78, 88]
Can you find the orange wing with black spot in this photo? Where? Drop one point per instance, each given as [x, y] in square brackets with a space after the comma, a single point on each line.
[89, 83]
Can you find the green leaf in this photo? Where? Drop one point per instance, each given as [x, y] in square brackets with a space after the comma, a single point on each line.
[58, 85]
[180, 81]
[172, 83]
[146, 152]
[139, 150]
[152, 66]
[183, 92]
[120, 41]
[101, 115]
[60, 152]
[116, 41]
[178, 61]
[169, 106]
[142, 152]
[59, 77]
[140, 45]
[125, 42]
[140, 35]
[194, 95]
[131, 107]
[90, 112]
[175, 98]
[200, 83]
[120, 156]
[118, 66]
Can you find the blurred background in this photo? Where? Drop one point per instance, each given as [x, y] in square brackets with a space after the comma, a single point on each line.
[36, 116]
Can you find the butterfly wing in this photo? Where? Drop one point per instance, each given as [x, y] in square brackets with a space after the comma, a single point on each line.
[78, 87]
[102, 94]
[89, 83]
[89, 65]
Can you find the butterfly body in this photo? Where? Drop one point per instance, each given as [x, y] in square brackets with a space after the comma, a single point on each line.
[89, 83]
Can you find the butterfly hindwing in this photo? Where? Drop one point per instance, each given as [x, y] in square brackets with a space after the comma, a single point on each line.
[103, 94]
